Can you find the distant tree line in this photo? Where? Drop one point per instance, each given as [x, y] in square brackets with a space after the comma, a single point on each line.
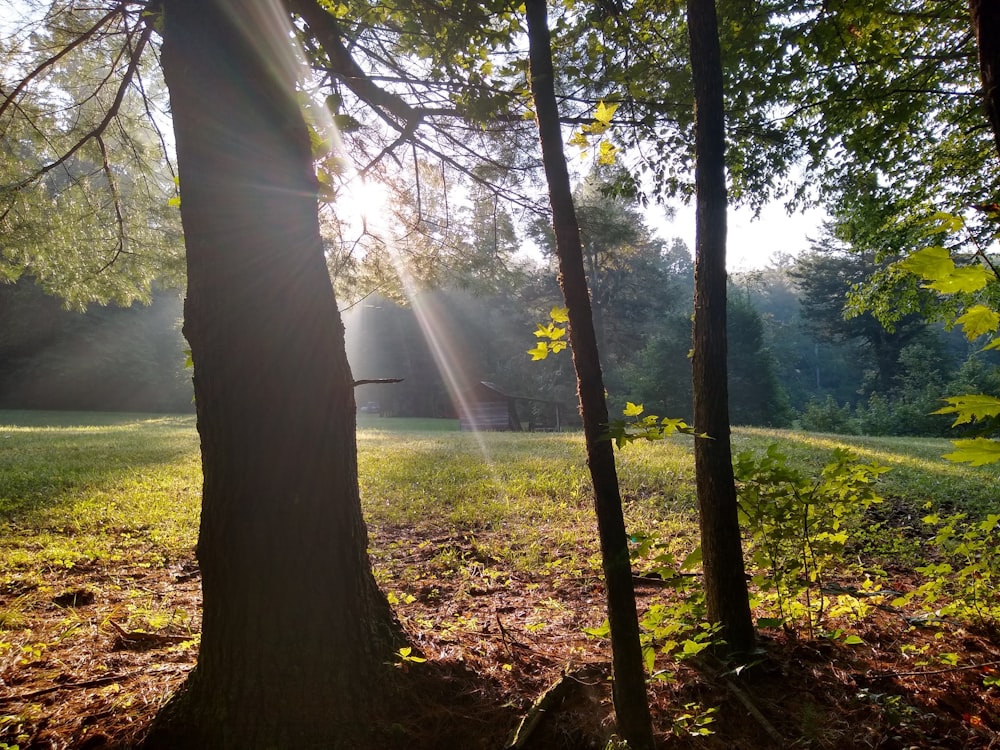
[105, 359]
[795, 357]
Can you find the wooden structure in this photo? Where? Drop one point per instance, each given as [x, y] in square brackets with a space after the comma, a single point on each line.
[485, 408]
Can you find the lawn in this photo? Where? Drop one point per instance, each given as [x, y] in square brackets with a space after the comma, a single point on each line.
[486, 546]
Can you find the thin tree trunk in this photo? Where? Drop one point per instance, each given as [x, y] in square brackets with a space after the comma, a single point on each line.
[986, 26]
[295, 631]
[722, 551]
[631, 703]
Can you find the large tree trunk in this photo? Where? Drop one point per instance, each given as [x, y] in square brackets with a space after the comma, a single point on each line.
[721, 545]
[986, 26]
[295, 631]
[631, 704]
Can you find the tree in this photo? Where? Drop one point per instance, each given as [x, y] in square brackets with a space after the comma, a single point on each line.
[296, 635]
[108, 358]
[726, 594]
[631, 703]
[85, 187]
[755, 396]
[827, 275]
[295, 632]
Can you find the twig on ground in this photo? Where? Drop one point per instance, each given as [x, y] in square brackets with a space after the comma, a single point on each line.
[96, 682]
[545, 702]
[743, 698]
[930, 672]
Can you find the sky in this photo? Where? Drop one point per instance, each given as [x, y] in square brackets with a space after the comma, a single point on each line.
[750, 241]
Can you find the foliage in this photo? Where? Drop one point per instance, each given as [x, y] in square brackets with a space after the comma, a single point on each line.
[104, 358]
[676, 629]
[85, 183]
[798, 524]
[963, 575]
[826, 416]
[970, 283]
[648, 427]
[755, 395]
[552, 337]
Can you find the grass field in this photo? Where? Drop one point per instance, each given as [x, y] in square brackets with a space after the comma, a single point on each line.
[473, 537]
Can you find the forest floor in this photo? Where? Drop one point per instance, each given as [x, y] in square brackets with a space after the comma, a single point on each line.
[98, 664]
[492, 568]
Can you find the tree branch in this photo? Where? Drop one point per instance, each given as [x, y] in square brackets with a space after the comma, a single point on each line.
[109, 116]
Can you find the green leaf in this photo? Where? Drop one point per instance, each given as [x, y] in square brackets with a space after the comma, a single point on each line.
[854, 640]
[693, 560]
[929, 263]
[971, 408]
[947, 222]
[601, 632]
[968, 279]
[935, 266]
[695, 647]
[977, 451]
[978, 320]
[649, 658]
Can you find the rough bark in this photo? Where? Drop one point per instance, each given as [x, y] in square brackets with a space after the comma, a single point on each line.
[295, 632]
[986, 26]
[722, 552]
[631, 703]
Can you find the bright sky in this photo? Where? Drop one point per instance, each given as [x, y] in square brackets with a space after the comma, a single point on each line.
[751, 242]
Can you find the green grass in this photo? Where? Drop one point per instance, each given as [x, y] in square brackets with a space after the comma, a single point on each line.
[919, 473]
[70, 493]
[78, 487]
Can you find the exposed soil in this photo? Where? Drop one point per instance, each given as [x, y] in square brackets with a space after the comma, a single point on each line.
[108, 644]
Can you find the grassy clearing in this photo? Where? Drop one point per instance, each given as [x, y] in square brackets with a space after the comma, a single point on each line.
[98, 521]
[77, 487]
[127, 486]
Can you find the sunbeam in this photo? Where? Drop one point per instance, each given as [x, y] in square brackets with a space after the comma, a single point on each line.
[363, 205]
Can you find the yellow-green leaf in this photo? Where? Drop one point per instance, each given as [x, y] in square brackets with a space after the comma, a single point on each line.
[559, 314]
[977, 451]
[978, 320]
[541, 351]
[929, 263]
[966, 279]
[607, 153]
[970, 408]
[632, 410]
[605, 112]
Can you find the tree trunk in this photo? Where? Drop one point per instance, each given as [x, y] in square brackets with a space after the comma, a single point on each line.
[721, 545]
[295, 631]
[631, 704]
[986, 26]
